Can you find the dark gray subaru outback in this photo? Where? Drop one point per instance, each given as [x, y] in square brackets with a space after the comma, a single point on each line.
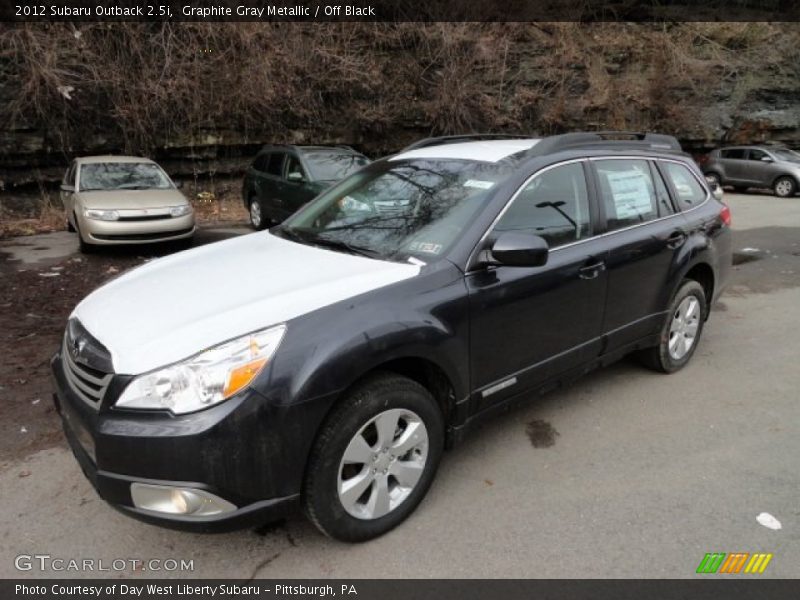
[327, 362]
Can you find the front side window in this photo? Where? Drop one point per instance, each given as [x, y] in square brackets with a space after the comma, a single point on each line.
[553, 205]
[123, 176]
[294, 170]
[333, 166]
[397, 210]
[629, 193]
[689, 191]
[758, 154]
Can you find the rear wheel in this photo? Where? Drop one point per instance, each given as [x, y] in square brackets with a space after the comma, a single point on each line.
[257, 218]
[374, 459]
[784, 187]
[714, 178]
[681, 330]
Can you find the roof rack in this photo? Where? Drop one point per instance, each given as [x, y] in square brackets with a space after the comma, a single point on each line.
[603, 139]
[468, 137]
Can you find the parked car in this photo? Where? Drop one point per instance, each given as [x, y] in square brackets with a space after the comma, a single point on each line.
[380, 323]
[284, 178]
[112, 200]
[746, 167]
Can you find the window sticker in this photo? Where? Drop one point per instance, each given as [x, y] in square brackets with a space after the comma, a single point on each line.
[631, 193]
[426, 247]
[478, 183]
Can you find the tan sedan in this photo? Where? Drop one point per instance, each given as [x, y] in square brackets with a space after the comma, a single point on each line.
[123, 200]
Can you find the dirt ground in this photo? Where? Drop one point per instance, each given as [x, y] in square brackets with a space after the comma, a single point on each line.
[35, 301]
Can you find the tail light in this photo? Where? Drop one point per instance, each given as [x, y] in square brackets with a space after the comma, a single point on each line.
[725, 215]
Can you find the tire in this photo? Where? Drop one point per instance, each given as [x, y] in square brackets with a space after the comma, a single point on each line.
[784, 187]
[258, 220]
[385, 398]
[714, 178]
[667, 356]
[70, 227]
[84, 246]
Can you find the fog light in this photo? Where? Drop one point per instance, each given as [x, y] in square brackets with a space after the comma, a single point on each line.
[170, 500]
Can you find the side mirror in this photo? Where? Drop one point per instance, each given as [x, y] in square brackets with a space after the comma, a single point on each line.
[716, 188]
[67, 188]
[515, 249]
[295, 176]
[766, 159]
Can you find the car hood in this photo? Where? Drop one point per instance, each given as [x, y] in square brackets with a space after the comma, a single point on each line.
[116, 199]
[177, 306]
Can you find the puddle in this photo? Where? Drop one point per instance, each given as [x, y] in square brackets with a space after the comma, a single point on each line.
[740, 258]
[541, 433]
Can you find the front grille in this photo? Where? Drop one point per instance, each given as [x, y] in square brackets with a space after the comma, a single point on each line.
[89, 381]
[145, 218]
[142, 236]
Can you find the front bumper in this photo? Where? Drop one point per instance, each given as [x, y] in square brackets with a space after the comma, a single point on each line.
[137, 232]
[238, 451]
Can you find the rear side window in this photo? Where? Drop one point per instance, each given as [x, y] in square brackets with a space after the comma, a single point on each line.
[261, 161]
[688, 190]
[737, 153]
[629, 193]
[553, 205]
[275, 164]
[69, 176]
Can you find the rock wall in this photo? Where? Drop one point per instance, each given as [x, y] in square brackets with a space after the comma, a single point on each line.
[201, 98]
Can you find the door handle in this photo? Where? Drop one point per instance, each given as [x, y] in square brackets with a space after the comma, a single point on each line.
[591, 270]
[676, 239]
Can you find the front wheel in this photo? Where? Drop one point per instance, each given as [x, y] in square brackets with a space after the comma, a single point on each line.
[784, 187]
[257, 219]
[374, 459]
[681, 330]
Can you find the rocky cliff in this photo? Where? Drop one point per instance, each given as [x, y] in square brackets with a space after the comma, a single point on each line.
[202, 97]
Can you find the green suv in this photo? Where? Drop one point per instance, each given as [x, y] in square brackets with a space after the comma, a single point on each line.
[284, 178]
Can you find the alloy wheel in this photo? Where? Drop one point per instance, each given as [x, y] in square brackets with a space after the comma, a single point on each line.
[255, 213]
[382, 464]
[684, 326]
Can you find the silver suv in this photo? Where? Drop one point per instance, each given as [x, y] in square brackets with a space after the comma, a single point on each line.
[744, 167]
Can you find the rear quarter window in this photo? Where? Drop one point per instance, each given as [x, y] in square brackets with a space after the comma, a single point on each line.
[689, 193]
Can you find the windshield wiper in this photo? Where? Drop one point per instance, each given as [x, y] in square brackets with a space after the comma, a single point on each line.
[341, 245]
[307, 237]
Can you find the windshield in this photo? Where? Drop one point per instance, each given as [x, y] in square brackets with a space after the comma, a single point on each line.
[786, 155]
[333, 166]
[397, 210]
[123, 176]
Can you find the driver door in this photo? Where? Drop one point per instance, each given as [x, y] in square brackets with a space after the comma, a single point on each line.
[530, 324]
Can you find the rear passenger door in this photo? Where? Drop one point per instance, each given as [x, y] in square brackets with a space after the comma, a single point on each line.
[645, 234]
[733, 160]
[269, 186]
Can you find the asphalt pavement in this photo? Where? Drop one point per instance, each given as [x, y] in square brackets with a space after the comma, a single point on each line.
[627, 473]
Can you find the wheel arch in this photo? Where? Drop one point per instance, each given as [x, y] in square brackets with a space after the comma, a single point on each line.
[703, 273]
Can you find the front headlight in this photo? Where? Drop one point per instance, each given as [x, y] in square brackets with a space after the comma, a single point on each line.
[101, 215]
[205, 379]
[179, 211]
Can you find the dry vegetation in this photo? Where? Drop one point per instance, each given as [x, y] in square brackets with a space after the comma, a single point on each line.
[144, 88]
[148, 85]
